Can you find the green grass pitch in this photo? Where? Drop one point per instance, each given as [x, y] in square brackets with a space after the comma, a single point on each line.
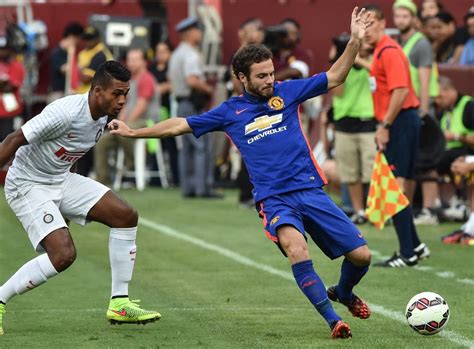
[219, 283]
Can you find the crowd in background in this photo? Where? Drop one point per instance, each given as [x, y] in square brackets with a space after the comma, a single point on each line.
[172, 81]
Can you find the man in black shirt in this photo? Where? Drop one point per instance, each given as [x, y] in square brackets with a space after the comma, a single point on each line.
[59, 59]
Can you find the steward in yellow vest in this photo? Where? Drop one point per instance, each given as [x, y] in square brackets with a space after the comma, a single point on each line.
[457, 123]
[418, 49]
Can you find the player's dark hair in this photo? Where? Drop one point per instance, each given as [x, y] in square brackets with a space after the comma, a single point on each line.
[73, 28]
[376, 10]
[109, 71]
[248, 55]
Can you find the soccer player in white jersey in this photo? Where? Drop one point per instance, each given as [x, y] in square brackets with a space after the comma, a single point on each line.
[41, 190]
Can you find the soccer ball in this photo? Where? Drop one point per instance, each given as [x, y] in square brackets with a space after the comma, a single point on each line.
[427, 313]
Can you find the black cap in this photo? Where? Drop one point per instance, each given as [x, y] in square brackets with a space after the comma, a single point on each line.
[188, 23]
[91, 33]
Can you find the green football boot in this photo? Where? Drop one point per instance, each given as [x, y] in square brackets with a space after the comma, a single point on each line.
[125, 311]
[2, 311]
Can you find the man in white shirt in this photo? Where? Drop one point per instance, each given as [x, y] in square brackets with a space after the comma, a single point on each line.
[41, 190]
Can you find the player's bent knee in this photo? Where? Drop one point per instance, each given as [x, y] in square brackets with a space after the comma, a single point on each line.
[297, 252]
[365, 258]
[126, 217]
[361, 256]
[362, 259]
[64, 258]
[130, 218]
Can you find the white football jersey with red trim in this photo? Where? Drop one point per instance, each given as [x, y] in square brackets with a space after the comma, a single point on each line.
[57, 137]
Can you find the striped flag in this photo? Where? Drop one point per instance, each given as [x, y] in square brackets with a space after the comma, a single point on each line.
[385, 197]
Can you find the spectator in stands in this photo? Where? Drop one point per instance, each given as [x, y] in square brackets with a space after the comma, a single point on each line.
[354, 122]
[91, 57]
[457, 123]
[290, 60]
[12, 75]
[159, 69]
[186, 73]
[464, 167]
[451, 40]
[430, 8]
[431, 27]
[250, 32]
[395, 106]
[62, 62]
[467, 55]
[89, 60]
[424, 76]
[142, 104]
[418, 49]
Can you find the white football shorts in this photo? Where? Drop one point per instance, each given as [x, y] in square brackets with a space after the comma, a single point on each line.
[41, 208]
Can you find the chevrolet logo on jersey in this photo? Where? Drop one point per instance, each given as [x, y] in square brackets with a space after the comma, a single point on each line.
[264, 126]
[263, 123]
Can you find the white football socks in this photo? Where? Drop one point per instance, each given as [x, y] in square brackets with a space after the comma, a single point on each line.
[30, 275]
[122, 252]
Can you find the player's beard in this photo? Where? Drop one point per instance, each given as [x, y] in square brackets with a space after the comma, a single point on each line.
[264, 91]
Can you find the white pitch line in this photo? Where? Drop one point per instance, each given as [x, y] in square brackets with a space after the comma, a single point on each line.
[466, 281]
[446, 274]
[427, 268]
[448, 335]
[423, 267]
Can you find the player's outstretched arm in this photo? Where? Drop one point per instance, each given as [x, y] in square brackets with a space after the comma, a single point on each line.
[360, 21]
[10, 145]
[168, 128]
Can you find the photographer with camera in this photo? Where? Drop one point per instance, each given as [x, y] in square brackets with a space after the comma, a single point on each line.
[290, 61]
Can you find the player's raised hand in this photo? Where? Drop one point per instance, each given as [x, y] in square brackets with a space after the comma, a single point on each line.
[120, 128]
[360, 21]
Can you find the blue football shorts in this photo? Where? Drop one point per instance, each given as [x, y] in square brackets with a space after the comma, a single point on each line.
[313, 212]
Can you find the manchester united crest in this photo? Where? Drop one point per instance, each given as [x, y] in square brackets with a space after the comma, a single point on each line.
[276, 103]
